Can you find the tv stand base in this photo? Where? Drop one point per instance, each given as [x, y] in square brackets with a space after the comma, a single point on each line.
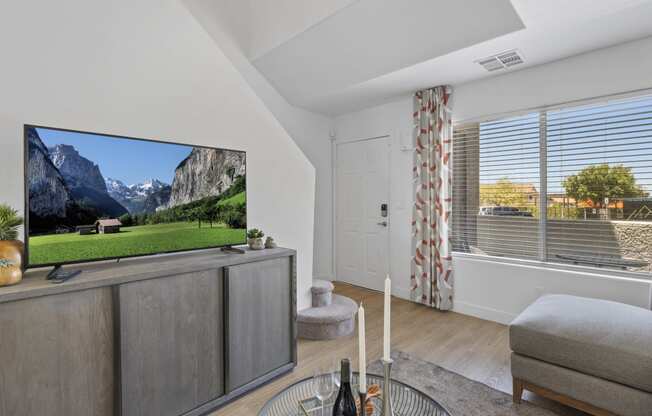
[58, 275]
[235, 250]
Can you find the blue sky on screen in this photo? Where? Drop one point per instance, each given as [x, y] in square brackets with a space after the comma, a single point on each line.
[131, 161]
[617, 133]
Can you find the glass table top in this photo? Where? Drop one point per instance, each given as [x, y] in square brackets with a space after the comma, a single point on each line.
[299, 400]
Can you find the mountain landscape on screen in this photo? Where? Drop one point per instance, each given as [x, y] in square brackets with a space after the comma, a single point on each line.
[140, 197]
[198, 201]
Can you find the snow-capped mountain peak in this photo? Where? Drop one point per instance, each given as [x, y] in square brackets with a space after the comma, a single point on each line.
[115, 185]
[133, 196]
[146, 187]
[152, 183]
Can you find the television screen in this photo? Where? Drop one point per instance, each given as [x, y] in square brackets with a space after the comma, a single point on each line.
[91, 197]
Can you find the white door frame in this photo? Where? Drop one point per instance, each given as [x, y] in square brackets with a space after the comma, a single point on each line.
[334, 148]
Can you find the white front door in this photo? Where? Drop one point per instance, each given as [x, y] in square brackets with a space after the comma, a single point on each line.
[362, 187]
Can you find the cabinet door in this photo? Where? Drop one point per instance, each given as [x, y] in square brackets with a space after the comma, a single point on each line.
[56, 355]
[171, 340]
[259, 319]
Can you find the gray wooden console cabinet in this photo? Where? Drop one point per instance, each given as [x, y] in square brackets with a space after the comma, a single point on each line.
[259, 339]
[171, 335]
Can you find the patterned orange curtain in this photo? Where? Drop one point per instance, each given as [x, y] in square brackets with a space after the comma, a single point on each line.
[432, 274]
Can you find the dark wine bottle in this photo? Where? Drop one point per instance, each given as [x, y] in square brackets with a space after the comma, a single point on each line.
[345, 404]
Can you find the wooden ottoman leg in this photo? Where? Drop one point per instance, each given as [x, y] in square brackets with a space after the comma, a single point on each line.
[517, 390]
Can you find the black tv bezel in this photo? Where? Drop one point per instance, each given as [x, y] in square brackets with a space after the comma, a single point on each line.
[28, 264]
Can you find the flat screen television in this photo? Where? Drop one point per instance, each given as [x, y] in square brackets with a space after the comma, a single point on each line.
[91, 196]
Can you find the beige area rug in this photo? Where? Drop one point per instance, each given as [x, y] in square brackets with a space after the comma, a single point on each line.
[463, 396]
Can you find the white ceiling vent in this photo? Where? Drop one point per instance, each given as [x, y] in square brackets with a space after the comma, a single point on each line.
[501, 61]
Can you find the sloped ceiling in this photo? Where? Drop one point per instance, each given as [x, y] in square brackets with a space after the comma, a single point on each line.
[259, 26]
[374, 37]
[336, 56]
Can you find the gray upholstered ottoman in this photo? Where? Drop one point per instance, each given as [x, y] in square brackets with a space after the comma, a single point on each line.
[591, 354]
[328, 322]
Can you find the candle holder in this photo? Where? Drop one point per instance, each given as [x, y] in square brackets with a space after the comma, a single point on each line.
[363, 403]
[386, 410]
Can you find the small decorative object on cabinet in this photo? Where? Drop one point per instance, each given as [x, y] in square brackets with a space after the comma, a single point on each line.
[270, 243]
[9, 273]
[255, 239]
[11, 249]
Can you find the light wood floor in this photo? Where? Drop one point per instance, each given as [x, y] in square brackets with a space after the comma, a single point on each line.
[469, 346]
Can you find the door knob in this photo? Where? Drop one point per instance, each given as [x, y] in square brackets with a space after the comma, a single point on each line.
[383, 223]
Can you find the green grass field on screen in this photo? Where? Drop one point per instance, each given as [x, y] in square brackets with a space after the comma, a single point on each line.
[130, 241]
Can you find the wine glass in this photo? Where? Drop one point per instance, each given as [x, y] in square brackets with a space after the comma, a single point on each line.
[334, 368]
[323, 384]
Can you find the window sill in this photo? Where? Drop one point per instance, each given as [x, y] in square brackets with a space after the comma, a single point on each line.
[592, 271]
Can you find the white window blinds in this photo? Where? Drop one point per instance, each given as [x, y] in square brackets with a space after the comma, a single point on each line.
[570, 185]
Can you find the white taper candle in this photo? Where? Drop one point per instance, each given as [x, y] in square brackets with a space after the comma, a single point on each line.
[387, 321]
[362, 350]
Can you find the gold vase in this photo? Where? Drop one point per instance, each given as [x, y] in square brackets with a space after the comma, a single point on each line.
[10, 275]
[11, 250]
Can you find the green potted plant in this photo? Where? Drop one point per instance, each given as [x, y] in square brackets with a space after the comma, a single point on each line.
[255, 239]
[11, 249]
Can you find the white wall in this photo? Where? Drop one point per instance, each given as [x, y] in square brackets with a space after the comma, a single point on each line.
[613, 70]
[499, 291]
[309, 130]
[148, 69]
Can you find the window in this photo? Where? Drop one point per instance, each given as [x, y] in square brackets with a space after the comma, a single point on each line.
[567, 185]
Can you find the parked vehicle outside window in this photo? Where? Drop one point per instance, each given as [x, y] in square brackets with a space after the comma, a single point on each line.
[511, 211]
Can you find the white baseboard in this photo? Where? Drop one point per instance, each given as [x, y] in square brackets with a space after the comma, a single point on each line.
[482, 312]
[465, 308]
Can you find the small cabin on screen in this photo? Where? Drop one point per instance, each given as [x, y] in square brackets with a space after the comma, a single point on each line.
[111, 225]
